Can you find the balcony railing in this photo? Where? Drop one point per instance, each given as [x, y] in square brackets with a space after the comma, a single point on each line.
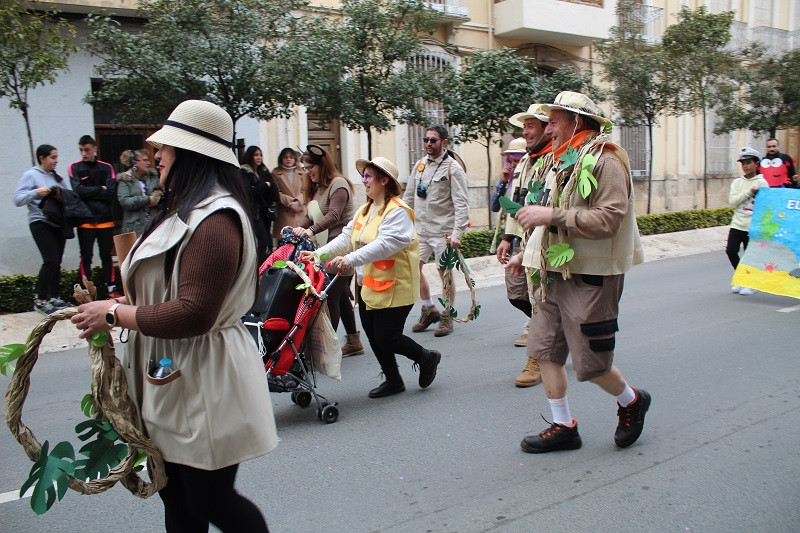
[449, 8]
[652, 20]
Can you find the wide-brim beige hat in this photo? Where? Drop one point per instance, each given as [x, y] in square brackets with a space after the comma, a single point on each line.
[534, 111]
[389, 168]
[581, 104]
[201, 127]
[517, 146]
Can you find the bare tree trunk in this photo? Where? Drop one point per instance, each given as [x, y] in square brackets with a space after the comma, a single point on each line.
[489, 182]
[369, 143]
[650, 167]
[24, 110]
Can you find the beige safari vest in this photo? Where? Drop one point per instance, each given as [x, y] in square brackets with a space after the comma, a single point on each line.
[217, 412]
[391, 282]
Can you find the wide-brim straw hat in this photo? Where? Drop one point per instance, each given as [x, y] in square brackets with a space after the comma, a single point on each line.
[578, 103]
[201, 127]
[534, 111]
[517, 146]
[388, 168]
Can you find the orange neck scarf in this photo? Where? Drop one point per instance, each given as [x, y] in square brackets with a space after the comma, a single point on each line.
[547, 148]
[575, 142]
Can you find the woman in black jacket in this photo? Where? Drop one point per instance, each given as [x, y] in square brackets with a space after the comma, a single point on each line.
[263, 193]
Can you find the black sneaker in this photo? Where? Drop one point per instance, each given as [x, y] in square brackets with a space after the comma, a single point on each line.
[631, 419]
[387, 389]
[427, 371]
[554, 438]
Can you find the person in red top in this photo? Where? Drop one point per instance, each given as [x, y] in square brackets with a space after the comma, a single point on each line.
[95, 183]
[777, 168]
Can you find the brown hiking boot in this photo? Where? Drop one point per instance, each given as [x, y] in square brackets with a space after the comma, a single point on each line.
[444, 328]
[428, 316]
[530, 375]
[353, 345]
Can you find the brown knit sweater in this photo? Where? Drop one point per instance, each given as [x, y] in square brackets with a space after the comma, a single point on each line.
[208, 268]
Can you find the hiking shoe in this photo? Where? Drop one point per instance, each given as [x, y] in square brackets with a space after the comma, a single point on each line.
[522, 341]
[631, 419]
[428, 316]
[554, 438]
[387, 388]
[58, 303]
[747, 291]
[530, 375]
[353, 345]
[427, 370]
[735, 289]
[44, 307]
[444, 328]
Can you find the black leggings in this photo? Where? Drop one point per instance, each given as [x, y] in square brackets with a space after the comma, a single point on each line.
[339, 305]
[105, 240]
[736, 238]
[523, 305]
[50, 242]
[384, 330]
[193, 498]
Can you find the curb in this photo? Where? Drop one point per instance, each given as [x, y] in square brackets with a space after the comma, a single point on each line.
[486, 271]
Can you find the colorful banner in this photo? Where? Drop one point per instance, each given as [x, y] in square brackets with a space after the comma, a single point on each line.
[771, 262]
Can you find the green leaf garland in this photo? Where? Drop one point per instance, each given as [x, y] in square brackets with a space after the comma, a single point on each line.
[8, 354]
[568, 158]
[559, 254]
[49, 470]
[511, 207]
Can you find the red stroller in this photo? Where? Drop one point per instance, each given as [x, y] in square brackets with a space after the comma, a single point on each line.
[280, 321]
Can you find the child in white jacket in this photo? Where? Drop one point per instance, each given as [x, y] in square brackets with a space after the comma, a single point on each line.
[742, 197]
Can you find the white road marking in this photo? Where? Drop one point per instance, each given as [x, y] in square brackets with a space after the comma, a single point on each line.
[789, 309]
[13, 495]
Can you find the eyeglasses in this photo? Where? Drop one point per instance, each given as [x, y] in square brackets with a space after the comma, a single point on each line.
[432, 140]
[306, 166]
[366, 177]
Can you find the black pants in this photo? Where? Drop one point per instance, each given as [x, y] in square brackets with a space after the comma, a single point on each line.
[523, 305]
[736, 238]
[384, 330]
[50, 242]
[339, 305]
[193, 498]
[105, 240]
[263, 240]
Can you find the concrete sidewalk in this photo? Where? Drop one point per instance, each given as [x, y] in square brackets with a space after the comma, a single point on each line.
[15, 328]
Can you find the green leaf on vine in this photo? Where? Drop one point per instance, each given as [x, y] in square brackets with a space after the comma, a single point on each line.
[453, 312]
[100, 338]
[49, 470]
[443, 302]
[141, 457]
[588, 162]
[447, 261]
[279, 264]
[558, 254]
[568, 158]
[91, 428]
[538, 164]
[87, 406]
[585, 182]
[477, 312]
[511, 207]
[324, 256]
[8, 354]
[304, 287]
[101, 457]
[535, 188]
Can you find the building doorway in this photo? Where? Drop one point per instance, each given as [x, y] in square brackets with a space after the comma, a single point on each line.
[325, 134]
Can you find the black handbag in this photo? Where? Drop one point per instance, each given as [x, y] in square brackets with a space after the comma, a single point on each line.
[271, 213]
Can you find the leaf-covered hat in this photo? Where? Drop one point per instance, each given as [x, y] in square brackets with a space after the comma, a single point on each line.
[578, 103]
[534, 111]
[201, 127]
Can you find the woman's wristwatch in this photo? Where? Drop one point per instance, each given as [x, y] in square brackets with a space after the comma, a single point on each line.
[111, 315]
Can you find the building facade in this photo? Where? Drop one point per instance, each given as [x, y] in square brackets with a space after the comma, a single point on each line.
[553, 32]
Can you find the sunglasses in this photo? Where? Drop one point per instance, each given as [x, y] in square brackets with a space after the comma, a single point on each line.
[432, 140]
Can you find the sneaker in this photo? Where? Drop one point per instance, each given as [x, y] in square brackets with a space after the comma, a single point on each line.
[522, 341]
[44, 307]
[530, 375]
[735, 289]
[58, 303]
[747, 291]
[427, 371]
[428, 316]
[554, 438]
[444, 328]
[631, 419]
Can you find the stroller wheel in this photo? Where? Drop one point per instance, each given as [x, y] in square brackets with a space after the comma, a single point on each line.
[329, 414]
[303, 399]
[294, 396]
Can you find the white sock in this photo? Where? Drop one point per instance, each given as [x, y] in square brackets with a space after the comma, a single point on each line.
[627, 397]
[559, 407]
[429, 301]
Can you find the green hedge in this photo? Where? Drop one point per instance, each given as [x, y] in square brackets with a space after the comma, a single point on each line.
[17, 292]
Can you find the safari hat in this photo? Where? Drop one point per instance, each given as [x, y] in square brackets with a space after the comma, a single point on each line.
[578, 103]
[200, 127]
[749, 153]
[382, 163]
[534, 111]
[517, 146]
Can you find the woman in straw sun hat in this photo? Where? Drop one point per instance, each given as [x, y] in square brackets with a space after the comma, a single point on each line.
[382, 244]
[189, 279]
